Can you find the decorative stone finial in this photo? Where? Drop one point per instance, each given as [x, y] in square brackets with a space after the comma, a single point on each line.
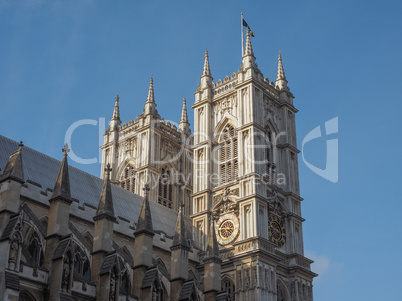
[144, 224]
[206, 71]
[65, 150]
[105, 207]
[61, 190]
[280, 82]
[108, 169]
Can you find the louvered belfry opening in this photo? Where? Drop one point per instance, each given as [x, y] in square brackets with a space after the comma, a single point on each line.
[229, 164]
[165, 190]
[128, 182]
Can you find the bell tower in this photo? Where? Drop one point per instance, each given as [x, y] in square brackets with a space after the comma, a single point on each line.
[246, 176]
[150, 150]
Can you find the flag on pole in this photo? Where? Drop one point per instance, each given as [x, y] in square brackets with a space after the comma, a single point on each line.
[248, 27]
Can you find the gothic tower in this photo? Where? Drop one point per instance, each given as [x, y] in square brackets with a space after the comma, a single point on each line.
[150, 150]
[246, 176]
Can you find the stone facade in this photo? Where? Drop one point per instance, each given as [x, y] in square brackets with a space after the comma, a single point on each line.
[209, 215]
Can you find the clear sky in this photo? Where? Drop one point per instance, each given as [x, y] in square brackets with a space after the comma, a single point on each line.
[64, 61]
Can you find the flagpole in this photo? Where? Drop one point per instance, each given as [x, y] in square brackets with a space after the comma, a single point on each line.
[242, 36]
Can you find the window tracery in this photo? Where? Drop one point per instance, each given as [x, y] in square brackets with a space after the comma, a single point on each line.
[35, 249]
[165, 190]
[229, 286]
[269, 155]
[128, 181]
[82, 268]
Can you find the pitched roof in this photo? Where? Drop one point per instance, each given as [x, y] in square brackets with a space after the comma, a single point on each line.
[149, 277]
[108, 263]
[61, 248]
[10, 227]
[105, 206]
[86, 188]
[14, 169]
[186, 290]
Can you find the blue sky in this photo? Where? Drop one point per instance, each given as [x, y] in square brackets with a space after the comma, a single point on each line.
[63, 61]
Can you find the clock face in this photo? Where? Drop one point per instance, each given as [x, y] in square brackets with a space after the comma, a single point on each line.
[277, 232]
[227, 229]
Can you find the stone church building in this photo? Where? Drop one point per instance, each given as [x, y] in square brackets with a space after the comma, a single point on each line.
[213, 214]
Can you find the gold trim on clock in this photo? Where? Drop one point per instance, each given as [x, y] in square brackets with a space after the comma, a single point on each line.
[277, 233]
[227, 229]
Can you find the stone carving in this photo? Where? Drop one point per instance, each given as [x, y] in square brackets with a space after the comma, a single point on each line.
[247, 279]
[225, 204]
[254, 278]
[12, 258]
[226, 255]
[245, 247]
[154, 293]
[112, 292]
[267, 287]
[238, 280]
[261, 277]
[66, 274]
[275, 205]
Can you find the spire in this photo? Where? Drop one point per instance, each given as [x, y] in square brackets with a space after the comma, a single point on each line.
[184, 118]
[14, 168]
[183, 124]
[179, 238]
[116, 111]
[115, 121]
[206, 78]
[248, 60]
[212, 247]
[249, 47]
[150, 105]
[281, 82]
[105, 207]
[144, 224]
[151, 97]
[207, 70]
[61, 188]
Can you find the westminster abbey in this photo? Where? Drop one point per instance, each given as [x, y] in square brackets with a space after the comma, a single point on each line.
[208, 214]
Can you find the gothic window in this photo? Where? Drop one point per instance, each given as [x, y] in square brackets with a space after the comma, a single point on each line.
[35, 249]
[269, 155]
[82, 269]
[228, 286]
[44, 220]
[228, 152]
[165, 190]
[88, 237]
[124, 284]
[26, 296]
[281, 292]
[124, 279]
[156, 292]
[128, 180]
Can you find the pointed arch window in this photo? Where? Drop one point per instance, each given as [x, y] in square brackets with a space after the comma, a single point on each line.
[35, 249]
[124, 279]
[228, 286]
[82, 268]
[128, 180]
[269, 155]
[165, 190]
[228, 152]
[159, 292]
[26, 296]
